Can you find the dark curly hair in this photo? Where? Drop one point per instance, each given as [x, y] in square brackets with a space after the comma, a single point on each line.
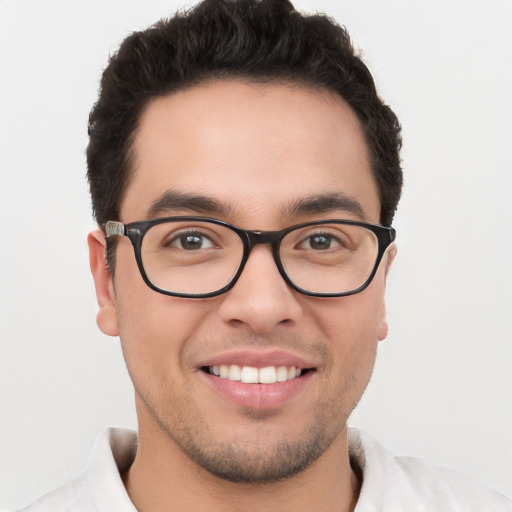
[256, 40]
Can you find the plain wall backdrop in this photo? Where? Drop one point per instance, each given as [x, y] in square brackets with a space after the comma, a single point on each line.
[442, 384]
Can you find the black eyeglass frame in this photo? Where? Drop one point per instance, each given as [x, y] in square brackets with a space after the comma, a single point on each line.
[135, 232]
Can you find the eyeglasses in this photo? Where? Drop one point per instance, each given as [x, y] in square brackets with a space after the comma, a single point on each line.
[200, 257]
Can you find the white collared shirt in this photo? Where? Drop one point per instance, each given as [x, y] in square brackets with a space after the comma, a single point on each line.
[390, 484]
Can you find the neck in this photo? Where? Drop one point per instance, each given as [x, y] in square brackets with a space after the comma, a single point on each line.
[162, 477]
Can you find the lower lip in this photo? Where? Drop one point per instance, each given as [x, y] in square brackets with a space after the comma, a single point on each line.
[258, 396]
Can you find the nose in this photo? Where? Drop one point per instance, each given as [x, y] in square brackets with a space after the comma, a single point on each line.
[260, 300]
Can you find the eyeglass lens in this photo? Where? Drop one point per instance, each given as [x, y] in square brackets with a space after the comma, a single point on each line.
[198, 257]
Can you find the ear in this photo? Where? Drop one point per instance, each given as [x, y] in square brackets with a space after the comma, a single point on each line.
[383, 324]
[107, 314]
[391, 255]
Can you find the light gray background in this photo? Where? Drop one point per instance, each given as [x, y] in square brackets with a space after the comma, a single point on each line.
[442, 385]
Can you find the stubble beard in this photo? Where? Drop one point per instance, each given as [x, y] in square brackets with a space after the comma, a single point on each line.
[262, 456]
[258, 460]
[253, 464]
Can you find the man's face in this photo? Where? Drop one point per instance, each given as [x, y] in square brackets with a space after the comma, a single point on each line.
[256, 151]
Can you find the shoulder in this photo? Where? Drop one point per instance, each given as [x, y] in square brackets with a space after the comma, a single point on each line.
[70, 497]
[100, 487]
[396, 484]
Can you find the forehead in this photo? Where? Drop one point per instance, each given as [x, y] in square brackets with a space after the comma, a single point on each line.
[254, 148]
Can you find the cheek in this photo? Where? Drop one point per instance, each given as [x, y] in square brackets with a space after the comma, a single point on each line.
[353, 320]
[154, 328]
[157, 326]
[155, 337]
[352, 326]
[144, 315]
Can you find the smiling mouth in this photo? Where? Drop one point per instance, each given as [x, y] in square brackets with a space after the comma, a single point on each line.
[253, 375]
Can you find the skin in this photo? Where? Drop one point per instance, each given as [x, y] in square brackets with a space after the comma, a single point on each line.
[255, 149]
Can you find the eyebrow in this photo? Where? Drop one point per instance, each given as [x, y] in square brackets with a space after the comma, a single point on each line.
[315, 204]
[325, 203]
[174, 200]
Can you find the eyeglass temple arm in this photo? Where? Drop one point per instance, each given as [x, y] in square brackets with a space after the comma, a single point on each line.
[113, 227]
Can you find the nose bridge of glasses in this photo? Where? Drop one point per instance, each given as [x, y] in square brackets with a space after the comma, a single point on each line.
[271, 238]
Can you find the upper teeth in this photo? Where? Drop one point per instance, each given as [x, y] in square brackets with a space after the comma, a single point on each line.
[253, 375]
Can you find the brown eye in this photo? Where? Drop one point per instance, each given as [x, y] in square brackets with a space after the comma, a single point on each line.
[190, 241]
[320, 242]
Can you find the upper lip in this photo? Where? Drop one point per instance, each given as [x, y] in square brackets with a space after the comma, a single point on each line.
[258, 359]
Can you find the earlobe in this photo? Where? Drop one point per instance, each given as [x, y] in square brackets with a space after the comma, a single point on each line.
[107, 313]
[383, 326]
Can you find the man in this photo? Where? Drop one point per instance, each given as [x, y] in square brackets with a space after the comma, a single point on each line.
[244, 175]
